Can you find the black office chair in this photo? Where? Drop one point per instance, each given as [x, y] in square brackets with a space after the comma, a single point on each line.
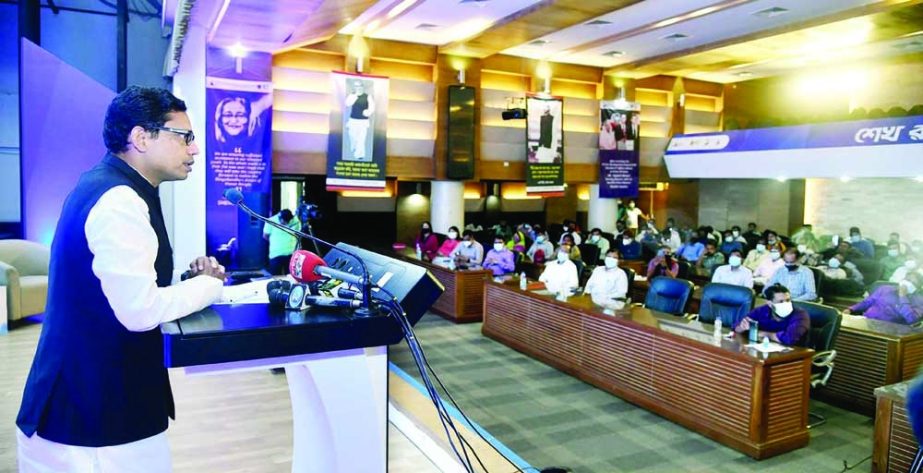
[871, 270]
[668, 295]
[684, 269]
[825, 326]
[589, 253]
[630, 275]
[727, 301]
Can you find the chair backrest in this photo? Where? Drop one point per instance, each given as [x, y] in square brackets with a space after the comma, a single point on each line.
[726, 301]
[668, 295]
[871, 270]
[589, 253]
[28, 257]
[819, 281]
[825, 325]
[683, 269]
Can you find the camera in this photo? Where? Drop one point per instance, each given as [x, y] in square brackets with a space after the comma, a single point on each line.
[307, 211]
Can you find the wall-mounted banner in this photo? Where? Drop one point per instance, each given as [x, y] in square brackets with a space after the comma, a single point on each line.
[619, 148]
[357, 142]
[238, 103]
[544, 145]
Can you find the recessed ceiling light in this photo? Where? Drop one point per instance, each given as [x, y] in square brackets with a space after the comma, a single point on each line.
[771, 12]
[744, 74]
[427, 26]
[675, 37]
[538, 42]
[598, 23]
[614, 53]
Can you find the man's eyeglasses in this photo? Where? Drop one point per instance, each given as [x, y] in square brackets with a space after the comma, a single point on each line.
[188, 135]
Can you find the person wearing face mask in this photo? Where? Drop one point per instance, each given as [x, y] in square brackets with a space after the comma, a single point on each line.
[833, 268]
[597, 238]
[756, 256]
[518, 241]
[798, 279]
[752, 234]
[768, 267]
[894, 260]
[734, 272]
[731, 244]
[710, 260]
[810, 257]
[469, 253]
[608, 283]
[541, 248]
[692, 250]
[451, 241]
[631, 216]
[664, 264]
[911, 265]
[861, 244]
[570, 228]
[778, 320]
[560, 274]
[916, 249]
[499, 259]
[902, 304]
[628, 247]
[427, 242]
[773, 242]
[670, 236]
[737, 236]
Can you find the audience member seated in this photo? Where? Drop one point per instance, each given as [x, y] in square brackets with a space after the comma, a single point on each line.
[862, 245]
[737, 236]
[805, 236]
[628, 247]
[842, 246]
[664, 264]
[773, 242]
[731, 244]
[692, 250]
[916, 249]
[810, 256]
[499, 260]
[561, 274]
[833, 269]
[572, 249]
[518, 241]
[709, 260]
[469, 253]
[502, 230]
[734, 272]
[752, 235]
[427, 242]
[451, 241]
[894, 260]
[768, 268]
[902, 304]
[649, 238]
[670, 236]
[756, 256]
[596, 238]
[608, 285]
[901, 273]
[798, 279]
[541, 249]
[778, 319]
[570, 228]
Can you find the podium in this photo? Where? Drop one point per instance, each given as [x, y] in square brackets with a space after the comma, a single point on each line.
[336, 362]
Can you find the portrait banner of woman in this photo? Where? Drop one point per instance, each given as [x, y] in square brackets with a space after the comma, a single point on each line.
[356, 144]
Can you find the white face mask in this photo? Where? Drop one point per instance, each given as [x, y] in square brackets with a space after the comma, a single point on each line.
[734, 261]
[909, 286]
[893, 253]
[735, 233]
[498, 246]
[453, 235]
[631, 205]
[910, 264]
[783, 309]
[833, 263]
[594, 238]
[562, 257]
[611, 262]
[760, 248]
[468, 243]
[540, 239]
[771, 241]
[626, 241]
[855, 238]
[775, 255]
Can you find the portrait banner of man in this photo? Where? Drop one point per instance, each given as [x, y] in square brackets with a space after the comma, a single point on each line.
[544, 145]
[357, 142]
[238, 139]
[619, 148]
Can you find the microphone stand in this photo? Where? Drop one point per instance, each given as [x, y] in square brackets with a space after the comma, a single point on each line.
[363, 311]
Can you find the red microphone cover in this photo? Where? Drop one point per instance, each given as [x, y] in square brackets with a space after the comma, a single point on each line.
[301, 266]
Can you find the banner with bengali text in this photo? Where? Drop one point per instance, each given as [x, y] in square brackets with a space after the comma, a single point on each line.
[357, 142]
[544, 145]
[619, 148]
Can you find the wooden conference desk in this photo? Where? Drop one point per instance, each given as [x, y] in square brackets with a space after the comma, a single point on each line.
[751, 402]
[869, 354]
[895, 445]
[463, 299]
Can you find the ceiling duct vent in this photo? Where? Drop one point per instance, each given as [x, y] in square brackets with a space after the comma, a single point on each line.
[539, 42]
[675, 37]
[598, 23]
[771, 12]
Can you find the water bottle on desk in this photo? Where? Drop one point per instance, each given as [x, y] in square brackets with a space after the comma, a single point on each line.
[523, 282]
[419, 252]
[718, 324]
[754, 331]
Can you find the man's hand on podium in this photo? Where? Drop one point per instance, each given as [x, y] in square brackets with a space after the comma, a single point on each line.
[208, 266]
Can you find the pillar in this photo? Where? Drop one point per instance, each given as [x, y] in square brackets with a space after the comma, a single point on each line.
[447, 205]
[602, 212]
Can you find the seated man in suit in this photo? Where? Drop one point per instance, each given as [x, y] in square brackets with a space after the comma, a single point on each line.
[902, 304]
[778, 320]
[560, 275]
[608, 283]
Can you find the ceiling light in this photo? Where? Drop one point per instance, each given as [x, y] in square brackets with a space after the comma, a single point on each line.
[781, 178]
[614, 53]
[771, 12]
[478, 3]
[598, 23]
[237, 50]
[918, 179]
[426, 26]
[845, 179]
[675, 37]
[538, 42]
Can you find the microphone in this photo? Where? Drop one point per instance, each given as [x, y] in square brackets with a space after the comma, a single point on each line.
[236, 197]
[305, 266]
[324, 301]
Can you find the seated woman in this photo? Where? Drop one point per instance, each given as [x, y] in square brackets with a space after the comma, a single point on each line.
[427, 242]
[663, 264]
[902, 304]
[541, 249]
[451, 241]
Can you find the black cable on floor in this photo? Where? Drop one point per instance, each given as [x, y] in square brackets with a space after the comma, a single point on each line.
[846, 466]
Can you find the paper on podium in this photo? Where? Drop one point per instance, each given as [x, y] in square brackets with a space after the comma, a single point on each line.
[770, 347]
[248, 293]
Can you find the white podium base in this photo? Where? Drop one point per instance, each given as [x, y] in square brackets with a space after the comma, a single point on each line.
[339, 407]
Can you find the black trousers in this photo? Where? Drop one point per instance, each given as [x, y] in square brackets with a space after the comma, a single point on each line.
[279, 265]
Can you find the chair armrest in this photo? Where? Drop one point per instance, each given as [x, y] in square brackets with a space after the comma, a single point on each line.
[9, 277]
[691, 316]
[637, 304]
[824, 358]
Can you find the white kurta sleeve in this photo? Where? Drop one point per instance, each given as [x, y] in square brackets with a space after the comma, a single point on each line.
[124, 248]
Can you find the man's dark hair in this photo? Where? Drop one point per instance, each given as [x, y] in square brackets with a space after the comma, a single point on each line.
[710, 242]
[146, 107]
[286, 215]
[793, 251]
[467, 233]
[596, 230]
[736, 252]
[735, 227]
[614, 251]
[776, 288]
[854, 230]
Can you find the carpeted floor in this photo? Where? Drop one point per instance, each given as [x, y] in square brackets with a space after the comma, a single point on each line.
[550, 418]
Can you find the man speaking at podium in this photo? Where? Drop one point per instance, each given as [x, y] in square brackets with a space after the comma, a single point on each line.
[98, 396]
